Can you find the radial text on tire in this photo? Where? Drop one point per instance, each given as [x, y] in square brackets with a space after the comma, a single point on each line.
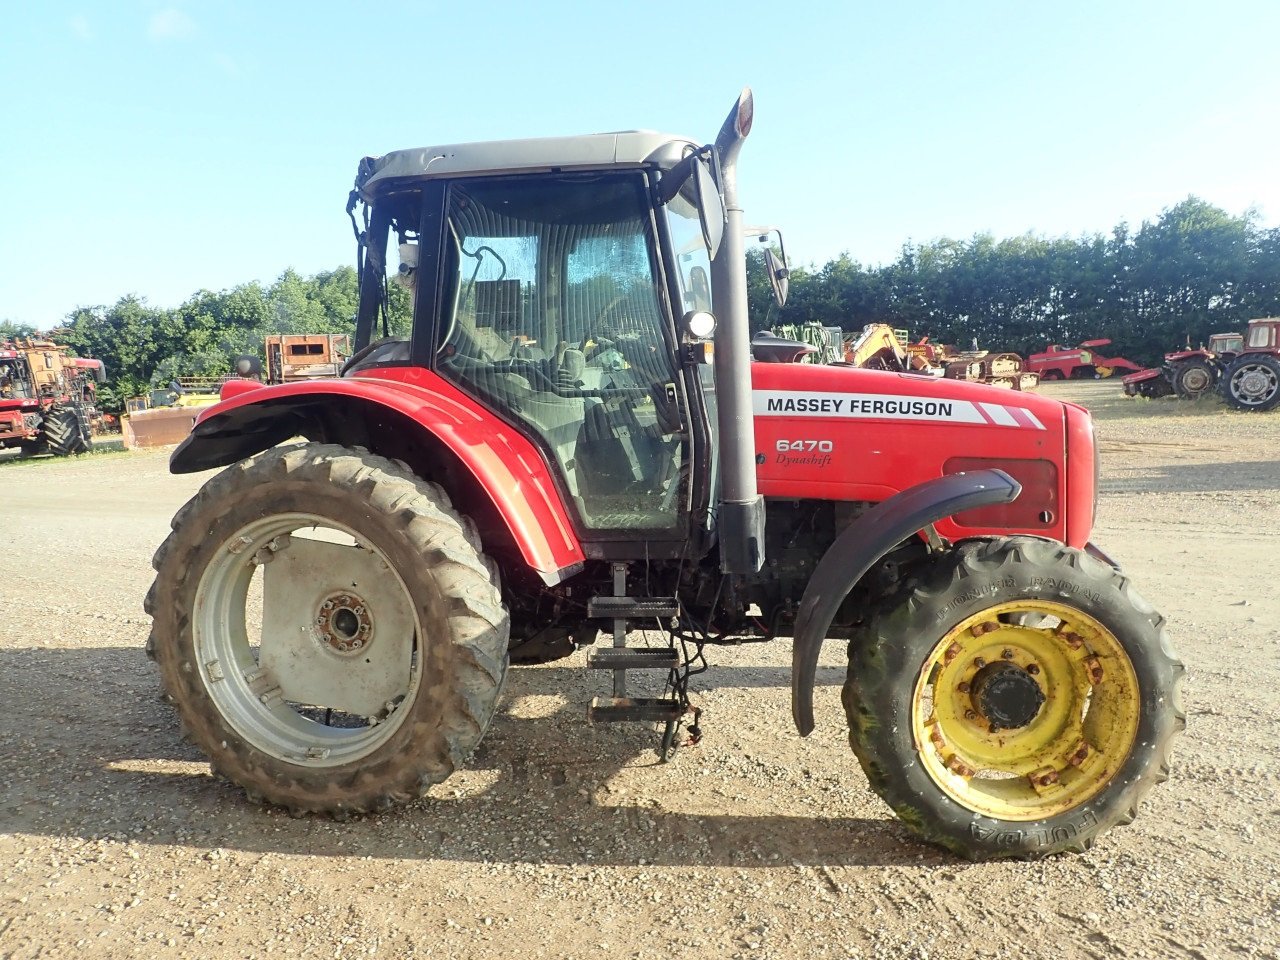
[328, 630]
[1015, 698]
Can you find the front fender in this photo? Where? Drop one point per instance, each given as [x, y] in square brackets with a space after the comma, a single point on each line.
[504, 463]
[858, 548]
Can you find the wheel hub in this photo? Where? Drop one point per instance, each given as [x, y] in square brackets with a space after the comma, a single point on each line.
[344, 623]
[1195, 380]
[1006, 695]
[1254, 383]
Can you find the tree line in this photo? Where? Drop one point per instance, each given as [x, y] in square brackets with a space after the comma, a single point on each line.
[1193, 271]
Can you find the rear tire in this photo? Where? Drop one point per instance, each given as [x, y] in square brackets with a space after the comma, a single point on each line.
[975, 636]
[65, 432]
[1253, 382]
[421, 574]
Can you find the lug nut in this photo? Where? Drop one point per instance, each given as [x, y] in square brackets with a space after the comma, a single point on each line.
[1006, 654]
[953, 651]
[979, 662]
[963, 686]
[970, 715]
[1033, 668]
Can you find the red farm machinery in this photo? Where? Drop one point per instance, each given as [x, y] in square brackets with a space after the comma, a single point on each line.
[574, 443]
[1189, 373]
[1251, 380]
[1057, 362]
[47, 398]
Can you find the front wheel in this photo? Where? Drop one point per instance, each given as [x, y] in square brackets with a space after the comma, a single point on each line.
[1016, 699]
[1193, 378]
[66, 431]
[328, 630]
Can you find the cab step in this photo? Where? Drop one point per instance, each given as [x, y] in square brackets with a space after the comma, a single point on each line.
[632, 608]
[639, 709]
[633, 658]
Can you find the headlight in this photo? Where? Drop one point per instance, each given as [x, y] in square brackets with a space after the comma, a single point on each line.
[699, 324]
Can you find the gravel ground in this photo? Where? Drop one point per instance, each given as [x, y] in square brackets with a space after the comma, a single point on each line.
[563, 840]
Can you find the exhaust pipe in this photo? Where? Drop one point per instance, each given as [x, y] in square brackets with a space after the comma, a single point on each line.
[741, 514]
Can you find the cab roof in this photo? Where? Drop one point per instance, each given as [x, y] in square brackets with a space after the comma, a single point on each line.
[628, 148]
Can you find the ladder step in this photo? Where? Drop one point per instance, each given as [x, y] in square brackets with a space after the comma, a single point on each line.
[633, 658]
[620, 709]
[632, 608]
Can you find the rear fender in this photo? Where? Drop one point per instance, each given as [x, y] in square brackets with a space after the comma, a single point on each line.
[856, 551]
[396, 419]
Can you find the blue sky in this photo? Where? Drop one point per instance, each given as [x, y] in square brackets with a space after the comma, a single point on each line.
[158, 148]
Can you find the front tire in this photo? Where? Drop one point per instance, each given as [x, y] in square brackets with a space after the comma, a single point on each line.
[1192, 379]
[66, 432]
[1016, 699]
[328, 630]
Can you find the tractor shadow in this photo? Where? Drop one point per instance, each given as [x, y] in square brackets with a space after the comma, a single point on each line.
[88, 750]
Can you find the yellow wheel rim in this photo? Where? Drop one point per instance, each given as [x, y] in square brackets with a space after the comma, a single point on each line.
[1025, 710]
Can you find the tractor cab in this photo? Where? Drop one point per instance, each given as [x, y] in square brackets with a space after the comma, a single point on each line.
[573, 300]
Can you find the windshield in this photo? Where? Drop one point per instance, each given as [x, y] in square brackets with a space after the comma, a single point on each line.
[692, 257]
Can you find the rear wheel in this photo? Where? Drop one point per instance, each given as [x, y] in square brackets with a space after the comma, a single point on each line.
[1253, 382]
[1192, 379]
[1018, 699]
[328, 631]
[66, 431]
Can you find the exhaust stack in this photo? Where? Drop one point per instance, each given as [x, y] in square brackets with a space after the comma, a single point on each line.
[741, 513]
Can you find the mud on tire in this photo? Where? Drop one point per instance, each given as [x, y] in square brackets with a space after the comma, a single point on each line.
[917, 724]
[459, 634]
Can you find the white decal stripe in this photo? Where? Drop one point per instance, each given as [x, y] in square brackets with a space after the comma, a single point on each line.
[1032, 417]
[999, 414]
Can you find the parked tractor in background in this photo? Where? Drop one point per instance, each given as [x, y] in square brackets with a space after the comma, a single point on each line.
[47, 398]
[1188, 373]
[1251, 381]
[575, 437]
[1057, 362]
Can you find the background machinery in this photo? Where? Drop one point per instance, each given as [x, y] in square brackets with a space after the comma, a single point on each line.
[47, 398]
[1057, 362]
[1251, 380]
[1188, 373]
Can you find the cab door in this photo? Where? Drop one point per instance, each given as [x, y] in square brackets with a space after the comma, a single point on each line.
[556, 317]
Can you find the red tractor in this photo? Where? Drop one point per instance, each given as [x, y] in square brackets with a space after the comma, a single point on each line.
[1077, 363]
[575, 436]
[1251, 381]
[47, 399]
[1188, 373]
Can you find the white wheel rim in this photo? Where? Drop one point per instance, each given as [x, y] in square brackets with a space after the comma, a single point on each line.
[229, 666]
[1254, 383]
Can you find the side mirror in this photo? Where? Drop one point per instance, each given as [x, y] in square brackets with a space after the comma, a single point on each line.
[779, 277]
[710, 205]
[695, 171]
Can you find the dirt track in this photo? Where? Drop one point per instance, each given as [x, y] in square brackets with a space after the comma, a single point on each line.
[565, 840]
